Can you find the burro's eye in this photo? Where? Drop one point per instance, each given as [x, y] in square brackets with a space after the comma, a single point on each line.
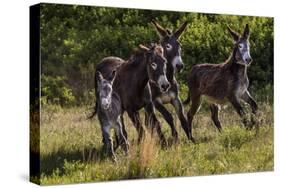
[168, 46]
[108, 89]
[240, 46]
[154, 66]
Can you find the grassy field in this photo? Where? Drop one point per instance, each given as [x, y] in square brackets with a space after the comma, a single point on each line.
[71, 148]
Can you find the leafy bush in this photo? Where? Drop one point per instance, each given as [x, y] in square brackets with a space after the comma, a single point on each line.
[75, 38]
[55, 90]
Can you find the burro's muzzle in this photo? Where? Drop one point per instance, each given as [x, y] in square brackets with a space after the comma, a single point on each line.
[163, 83]
[105, 103]
[247, 58]
[177, 63]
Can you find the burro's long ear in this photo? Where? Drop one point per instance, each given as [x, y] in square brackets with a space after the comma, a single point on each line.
[246, 33]
[143, 48]
[160, 30]
[99, 76]
[234, 35]
[112, 76]
[180, 30]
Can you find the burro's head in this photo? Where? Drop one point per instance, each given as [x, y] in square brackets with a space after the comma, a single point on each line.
[170, 43]
[105, 89]
[241, 48]
[156, 66]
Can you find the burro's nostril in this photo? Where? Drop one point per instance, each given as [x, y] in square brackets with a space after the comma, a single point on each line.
[165, 87]
[248, 60]
[106, 106]
[179, 66]
[168, 86]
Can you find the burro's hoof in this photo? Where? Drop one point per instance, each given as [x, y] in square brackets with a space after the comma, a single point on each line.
[193, 140]
[114, 159]
[164, 143]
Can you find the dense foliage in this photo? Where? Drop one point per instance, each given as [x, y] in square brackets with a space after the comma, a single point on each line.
[75, 38]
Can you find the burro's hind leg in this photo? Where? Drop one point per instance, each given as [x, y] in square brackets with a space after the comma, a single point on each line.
[215, 116]
[195, 104]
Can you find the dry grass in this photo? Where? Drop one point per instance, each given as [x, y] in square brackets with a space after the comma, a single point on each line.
[71, 148]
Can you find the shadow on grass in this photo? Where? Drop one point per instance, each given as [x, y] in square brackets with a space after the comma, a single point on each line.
[55, 162]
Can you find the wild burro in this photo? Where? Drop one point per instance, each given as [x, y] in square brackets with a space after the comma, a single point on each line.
[109, 112]
[225, 82]
[172, 51]
[132, 77]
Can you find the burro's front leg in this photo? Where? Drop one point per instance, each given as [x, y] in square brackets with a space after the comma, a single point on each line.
[107, 141]
[168, 117]
[234, 100]
[154, 123]
[121, 137]
[121, 119]
[180, 113]
[250, 100]
[135, 118]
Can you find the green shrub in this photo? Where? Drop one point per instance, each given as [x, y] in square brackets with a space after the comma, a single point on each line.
[76, 38]
[55, 90]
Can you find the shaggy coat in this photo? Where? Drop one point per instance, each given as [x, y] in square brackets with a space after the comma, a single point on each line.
[225, 82]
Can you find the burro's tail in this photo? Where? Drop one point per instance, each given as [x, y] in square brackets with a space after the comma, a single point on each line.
[92, 115]
[95, 108]
[187, 100]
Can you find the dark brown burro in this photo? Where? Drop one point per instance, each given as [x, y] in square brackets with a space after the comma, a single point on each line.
[172, 52]
[225, 82]
[132, 77]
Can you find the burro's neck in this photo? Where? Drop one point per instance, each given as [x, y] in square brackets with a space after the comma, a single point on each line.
[170, 72]
[139, 75]
[235, 67]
